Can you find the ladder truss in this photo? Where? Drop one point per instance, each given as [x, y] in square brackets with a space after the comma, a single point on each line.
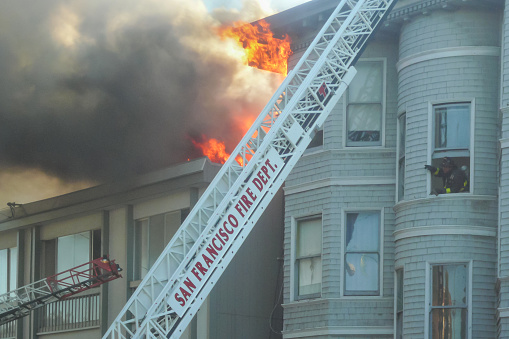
[20, 302]
[192, 262]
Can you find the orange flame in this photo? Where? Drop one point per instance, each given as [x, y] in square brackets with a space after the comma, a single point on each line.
[215, 150]
[262, 50]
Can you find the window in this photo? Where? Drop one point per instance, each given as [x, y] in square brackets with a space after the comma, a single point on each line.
[69, 251]
[401, 156]
[399, 304]
[365, 104]
[8, 269]
[308, 261]
[151, 236]
[73, 250]
[449, 304]
[451, 137]
[317, 139]
[362, 253]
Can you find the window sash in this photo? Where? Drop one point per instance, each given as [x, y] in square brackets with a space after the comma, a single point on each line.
[73, 250]
[364, 111]
[362, 253]
[452, 126]
[308, 260]
[449, 301]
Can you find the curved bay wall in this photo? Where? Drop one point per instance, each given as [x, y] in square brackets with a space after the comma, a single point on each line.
[446, 57]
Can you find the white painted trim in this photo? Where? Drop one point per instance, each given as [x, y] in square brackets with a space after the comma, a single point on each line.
[398, 141]
[339, 181]
[421, 231]
[504, 143]
[460, 196]
[503, 312]
[447, 53]
[339, 330]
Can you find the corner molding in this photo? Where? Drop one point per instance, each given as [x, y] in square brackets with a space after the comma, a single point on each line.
[447, 52]
[481, 231]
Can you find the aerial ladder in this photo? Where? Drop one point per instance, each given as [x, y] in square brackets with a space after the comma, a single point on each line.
[190, 265]
[20, 302]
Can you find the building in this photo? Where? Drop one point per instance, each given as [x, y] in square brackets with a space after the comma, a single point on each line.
[132, 221]
[370, 251]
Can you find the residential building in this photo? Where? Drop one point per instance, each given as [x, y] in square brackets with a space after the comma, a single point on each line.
[132, 221]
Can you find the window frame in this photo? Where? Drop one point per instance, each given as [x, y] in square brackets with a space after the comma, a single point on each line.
[396, 296]
[400, 196]
[453, 153]
[379, 293]
[429, 293]
[363, 144]
[294, 271]
[12, 272]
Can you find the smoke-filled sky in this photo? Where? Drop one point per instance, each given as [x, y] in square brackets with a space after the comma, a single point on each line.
[93, 91]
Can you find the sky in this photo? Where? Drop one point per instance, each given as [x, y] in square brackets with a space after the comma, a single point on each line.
[94, 91]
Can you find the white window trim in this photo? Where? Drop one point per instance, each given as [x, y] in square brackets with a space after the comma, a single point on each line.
[343, 250]
[399, 267]
[293, 252]
[471, 146]
[398, 128]
[384, 106]
[427, 293]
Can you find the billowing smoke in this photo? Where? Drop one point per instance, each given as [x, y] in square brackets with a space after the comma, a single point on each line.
[98, 90]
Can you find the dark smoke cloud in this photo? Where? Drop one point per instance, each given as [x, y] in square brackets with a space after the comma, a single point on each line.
[98, 90]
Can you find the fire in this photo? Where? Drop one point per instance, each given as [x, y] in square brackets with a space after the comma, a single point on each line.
[215, 150]
[261, 49]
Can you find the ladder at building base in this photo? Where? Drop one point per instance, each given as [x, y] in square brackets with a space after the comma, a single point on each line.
[20, 302]
[182, 277]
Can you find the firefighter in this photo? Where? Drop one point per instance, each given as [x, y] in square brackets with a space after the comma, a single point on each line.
[454, 179]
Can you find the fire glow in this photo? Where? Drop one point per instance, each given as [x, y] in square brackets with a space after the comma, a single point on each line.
[261, 50]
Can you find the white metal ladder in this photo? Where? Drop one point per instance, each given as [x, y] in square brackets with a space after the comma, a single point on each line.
[182, 277]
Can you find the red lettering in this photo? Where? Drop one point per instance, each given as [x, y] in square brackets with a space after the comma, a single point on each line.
[224, 226]
[185, 293]
[196, 273]
[266, 171]
[217, 248]
[189, 284]
[246, 201]
[251, 195]
[235, 222]
[202, 269]
[267, 162]
[224, 235]
[257, 182]
[207, 260]
[180, 300]
[237, 207]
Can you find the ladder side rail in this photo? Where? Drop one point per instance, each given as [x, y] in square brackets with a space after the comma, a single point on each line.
[278, 99]
[232, 157]
[154, 325]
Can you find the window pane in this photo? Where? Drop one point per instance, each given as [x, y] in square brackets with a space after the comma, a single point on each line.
[3, 271]
[309, 237]
[449, 323]
[449, 285]
[362, 231]
[362, 272]
[13, 268]
[402, 135]
[452, 126]
[141, 249]
[73, 250]
[364, 122]
[367, 83]
[310, 276]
